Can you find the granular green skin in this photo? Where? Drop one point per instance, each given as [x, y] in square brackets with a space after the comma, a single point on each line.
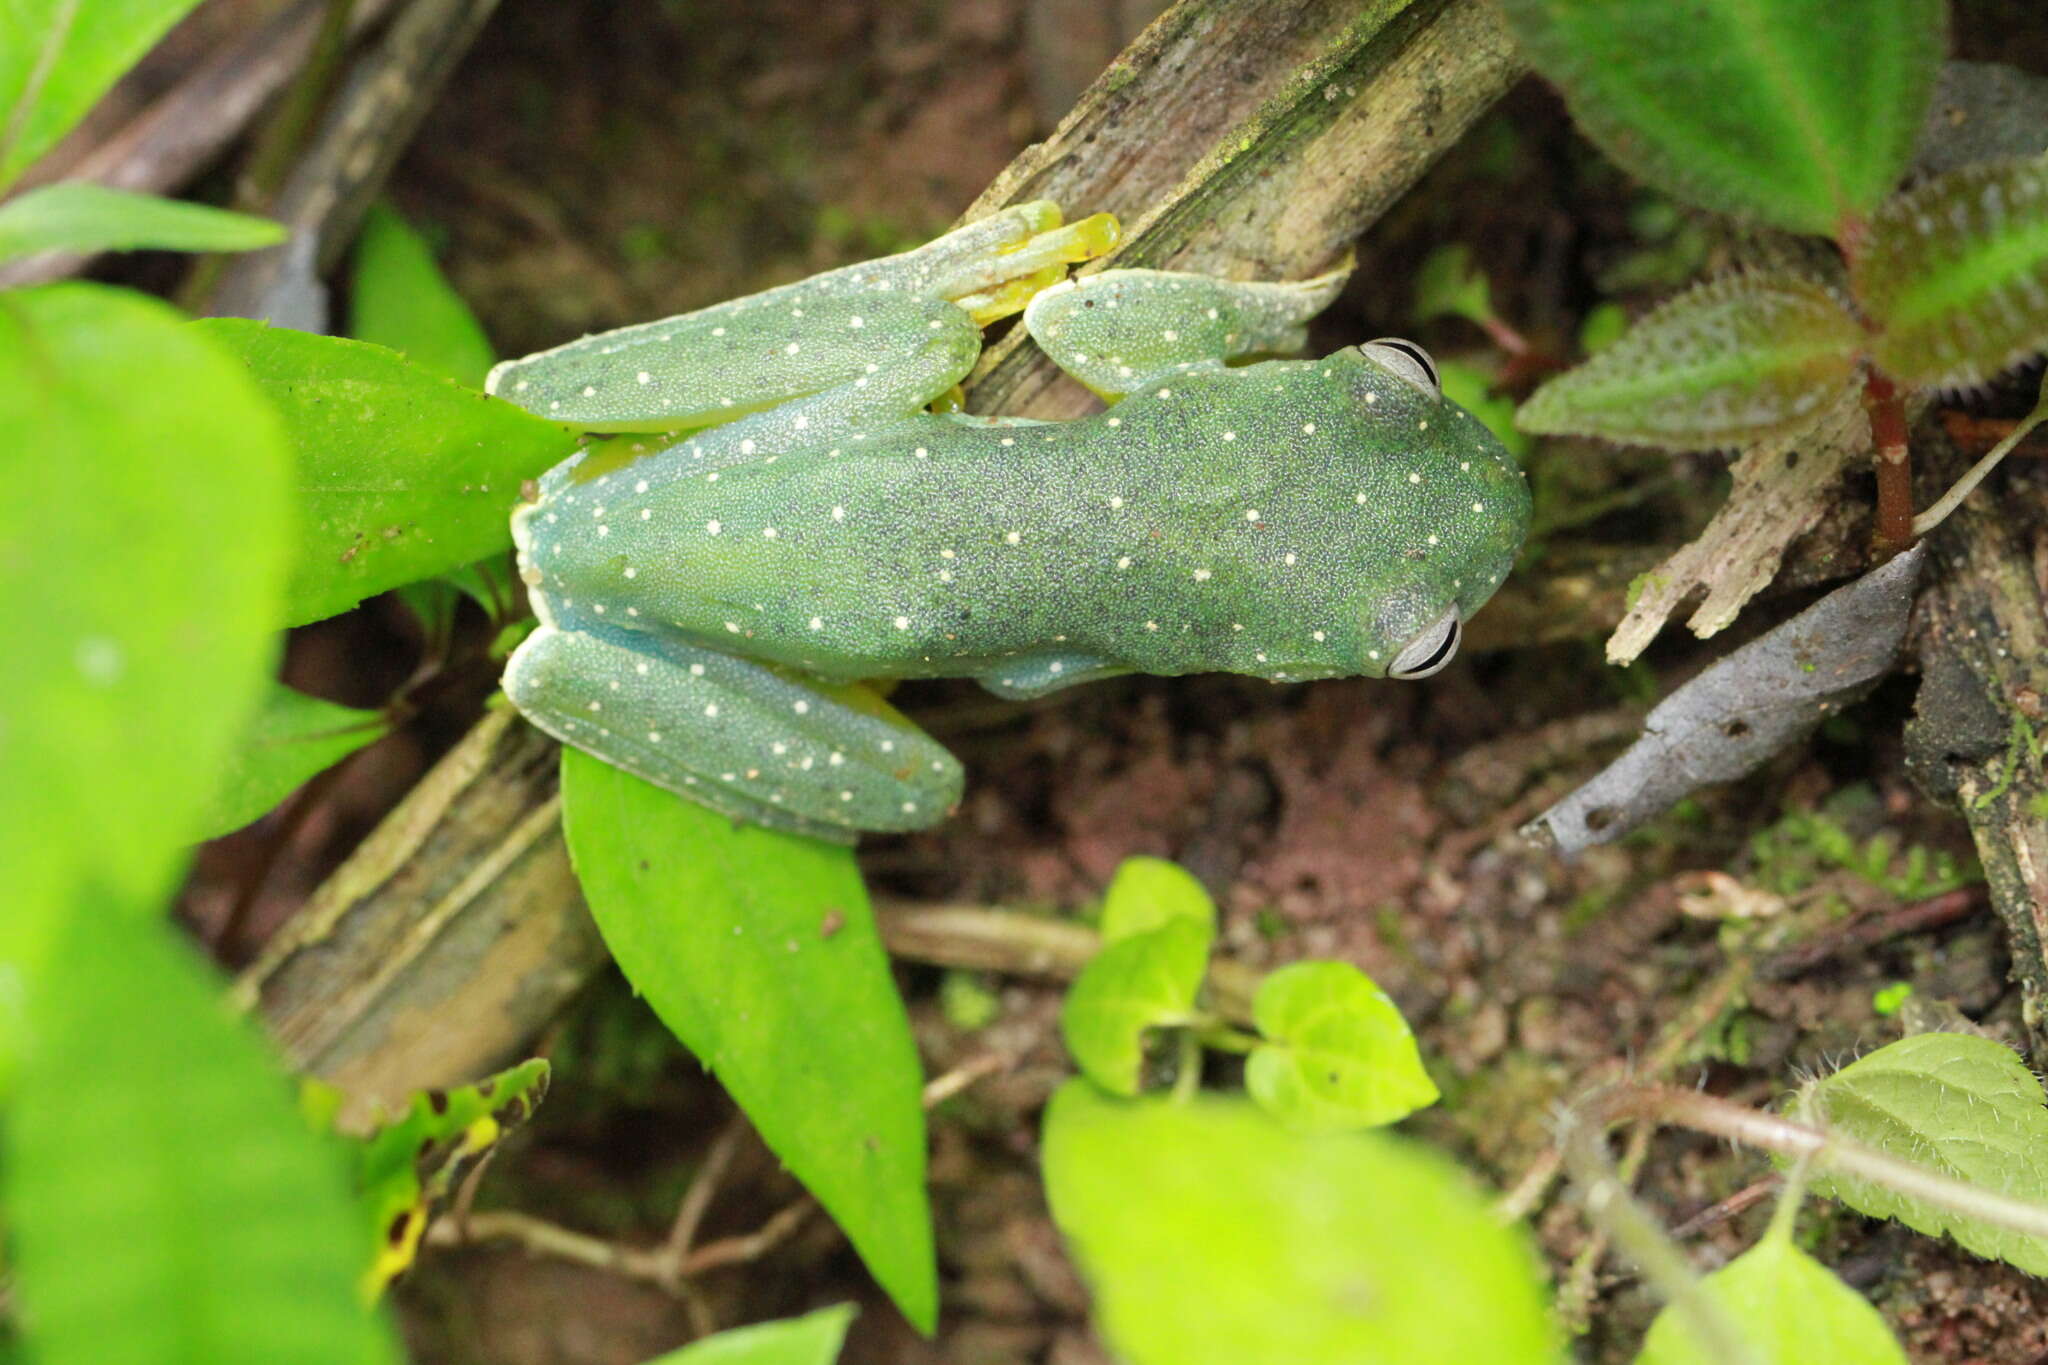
[702, 594]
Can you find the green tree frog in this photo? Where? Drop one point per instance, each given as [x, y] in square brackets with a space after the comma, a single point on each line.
[786, 517]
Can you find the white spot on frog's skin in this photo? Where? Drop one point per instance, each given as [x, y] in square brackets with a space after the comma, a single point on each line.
[802, 708]
[909, 807]
[1169, 335]
[654, 736]
[1008, 441]
[1166, 393]
[802, 422]
[1116, 502]
[1012, 537]
[1359, 499]
[947, 554]
[1371, 397]
[1201, 575]
[836, 759]
[589, 392]
[768, 533]
[1479, 507]
[597, 706]
[1288, 559]
[1213, 315]
[746, 447]
[848, 796]
[791, 349]
[1116, 421]
[903, 623]
[712, 528]
[696, 670]
[646, 514]
[641, 668]
[1055, 667]
[1260, 657]
[1151, 625]
[520, 387]
[888, 746]
[817, 623]
[1230, 436]
[1465, 465]
[603, 530]
[1433, 540]
[733, 627]
[644, 377]
[640, 487]
[555, 406]
[856, 322]
[1308, 428]
[1414, 478]
[1251, 514]
[712, 710]
[921, 453]
[1124, 563]
[718, 331]
[946, 576]
[631, 572]
[1319, 637]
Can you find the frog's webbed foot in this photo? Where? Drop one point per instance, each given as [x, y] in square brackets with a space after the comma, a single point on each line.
[740, 738]
[1034, 675]
[843, 327]
[1120, 329]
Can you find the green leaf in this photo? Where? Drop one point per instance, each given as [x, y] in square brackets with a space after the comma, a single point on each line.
[79, 216]
[1448, 284]
[1732, 362]
[142, 567]
[1472, 389]
[402, 475]
[812, 1339]
[1790, 1307]
[1148, 892]
[1798, 113]
[1337, 1052]
[57, 57]
[1955, 273]
[1212, 1233]
[759, 950]
[1131, 987]
[402, 300]
[411, 1164]
[292, 737]
[166, 1203]
[1954, 1103]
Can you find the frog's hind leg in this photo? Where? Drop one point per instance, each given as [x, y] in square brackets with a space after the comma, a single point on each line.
[1035, 675]
[738, 737]
[1117, 330]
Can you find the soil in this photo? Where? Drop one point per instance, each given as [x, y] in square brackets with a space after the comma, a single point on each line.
[596, 164]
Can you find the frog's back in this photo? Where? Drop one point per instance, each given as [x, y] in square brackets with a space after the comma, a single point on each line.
[1226, 520]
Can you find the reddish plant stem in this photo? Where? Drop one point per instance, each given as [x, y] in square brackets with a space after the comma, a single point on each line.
[1887, 409]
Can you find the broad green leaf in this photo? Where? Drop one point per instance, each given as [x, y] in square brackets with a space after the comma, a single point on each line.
[1148, 892]
[79, 216]
[1337, 1053]
[142, 566]
[1955, 273]
[1211, 1233]
[402, 300]
[1731, 362]
[402, 475]
[411, 1164]
[759, 950]
[291, 738]
[1790, 1307]
[1472, 389]
[812, 1339]
[1131, 987]
[1798, 113]
[166, 1204]
[1954, 1103]
[57, 57]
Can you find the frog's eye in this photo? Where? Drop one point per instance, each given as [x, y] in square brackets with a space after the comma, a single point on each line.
[1407, 360]
[1429, 651]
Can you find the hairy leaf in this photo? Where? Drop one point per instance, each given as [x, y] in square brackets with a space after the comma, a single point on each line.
[78, 216]
[1731, 362]
[1148, 892]
[1790, 1308]
[1134, 985]
[1797, 113]
[759, 950]
[57, 57]
[812, 1339]
[142, 568]
[402, 300]
[402, 475]
[1337, 1053]
[1211, 1233]
[166, 1205]
[1954, 1103]
[1955, 273]
[293, 737]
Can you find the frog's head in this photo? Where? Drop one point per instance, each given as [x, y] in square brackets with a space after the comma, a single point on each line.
[1453, 510]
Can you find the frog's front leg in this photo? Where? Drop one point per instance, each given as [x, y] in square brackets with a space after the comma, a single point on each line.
[1121, 329]
[743, 739]
[1034, 675]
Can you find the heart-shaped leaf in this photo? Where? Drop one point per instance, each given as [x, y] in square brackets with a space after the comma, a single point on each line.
[1131, 987]
[1791, 1309]
[1337, 1053]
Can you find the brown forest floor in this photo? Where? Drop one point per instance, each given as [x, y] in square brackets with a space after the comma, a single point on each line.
[594, 164]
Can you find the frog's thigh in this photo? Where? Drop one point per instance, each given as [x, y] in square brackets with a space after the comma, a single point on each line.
[1116, 330]
[1034, 675]
[732, 734]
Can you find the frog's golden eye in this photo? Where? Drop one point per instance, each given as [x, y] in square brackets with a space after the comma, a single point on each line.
[1407, 360]
[1429, 651]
